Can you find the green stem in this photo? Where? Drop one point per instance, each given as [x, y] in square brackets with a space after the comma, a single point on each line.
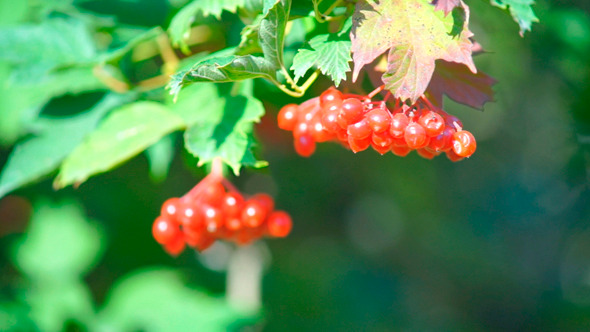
[323, 17]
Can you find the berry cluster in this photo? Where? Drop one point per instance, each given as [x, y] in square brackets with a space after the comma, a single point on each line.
[358, 123]
[209, 212]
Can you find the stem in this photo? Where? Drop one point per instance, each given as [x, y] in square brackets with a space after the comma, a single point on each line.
[170, 59]
[216, 168]
[323, 17]
[376, 91]
[309, 81]
[427, 102]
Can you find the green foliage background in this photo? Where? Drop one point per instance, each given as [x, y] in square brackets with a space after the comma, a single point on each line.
[380, 243]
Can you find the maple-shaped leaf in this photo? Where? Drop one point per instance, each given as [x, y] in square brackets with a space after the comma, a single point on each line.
[416, 34]
[521, 12]
[460, 84]
[329, 53]
[445, 5]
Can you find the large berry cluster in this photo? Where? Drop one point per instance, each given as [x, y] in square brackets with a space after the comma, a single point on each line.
[209, 212]
[359, 123]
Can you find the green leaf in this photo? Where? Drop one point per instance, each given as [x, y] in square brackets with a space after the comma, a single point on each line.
[190, 100]
[54, 43]
[39, 155]
[157, 300]
[160, 157]
[60, 244]
[226, 131]
[123, 134]
[179, 28]
[223, 69]
[329, 53]
[416, 34]
[271, 32]
[521, 11]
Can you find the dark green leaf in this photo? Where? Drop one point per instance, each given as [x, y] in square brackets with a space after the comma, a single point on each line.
[123, 134]
[225, 131]
[39, 155]
[329, 53]
[521, 11]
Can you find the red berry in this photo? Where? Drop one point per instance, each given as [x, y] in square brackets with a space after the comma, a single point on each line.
[433, 123]
[189, 217]
[279, 224]
[254, 213]
[382, 139]
[233, 224]
[379, 119]
[175, 247]
[213, 218]
[304, 145]
[205, 243]
[170, 208]
[415, 135]
[442, 142]
[453, 156]
[330, 95]
[401, 151]
[330, 121]
[266, 201]
[464, 143]
[399, 122]
[425, 153]
[317, 130]
[213, 193]
[302, 128]
[164, 230]
[232, 204]
[352, 110]
[359, 130]
[358, 145]
[287, 117]
[453, 122]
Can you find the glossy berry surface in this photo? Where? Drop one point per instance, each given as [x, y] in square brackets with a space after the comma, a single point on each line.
[358, 123]
[209, 213]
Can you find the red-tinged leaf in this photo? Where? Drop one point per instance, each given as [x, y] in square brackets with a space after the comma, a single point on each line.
[416, 35]
[458, 83]
[445, 5]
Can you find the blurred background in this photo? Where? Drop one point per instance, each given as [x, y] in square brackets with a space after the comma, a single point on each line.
[500, 241]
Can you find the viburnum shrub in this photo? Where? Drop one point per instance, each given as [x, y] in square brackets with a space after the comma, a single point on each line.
[196, 77]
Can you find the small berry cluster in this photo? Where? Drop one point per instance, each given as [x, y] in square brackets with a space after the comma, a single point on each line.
[208, 212]
[358, 123]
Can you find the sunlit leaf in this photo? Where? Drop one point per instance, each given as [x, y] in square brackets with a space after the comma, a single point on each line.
[329, 53]
[123, 134]
[446, 5]
[225, 131]
[521, 11]
[160, 157]
[416, 35]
